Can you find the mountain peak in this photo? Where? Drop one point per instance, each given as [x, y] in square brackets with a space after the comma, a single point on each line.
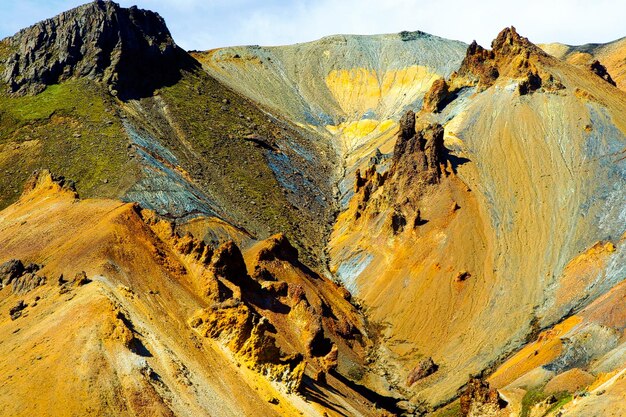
[510, 42]
[511, 55]
[131, 50]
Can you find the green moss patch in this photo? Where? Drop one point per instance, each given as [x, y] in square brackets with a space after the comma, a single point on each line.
[71, 129]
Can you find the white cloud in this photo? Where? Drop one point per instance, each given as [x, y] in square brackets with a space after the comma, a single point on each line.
[204, 24]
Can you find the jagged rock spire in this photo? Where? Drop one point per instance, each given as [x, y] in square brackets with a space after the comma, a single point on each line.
[511, 55]
[418, 152]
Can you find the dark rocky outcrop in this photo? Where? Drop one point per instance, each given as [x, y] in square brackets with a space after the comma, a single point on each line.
[28, 282]
[462, 276]
[80, 279]
[600, 70]
[228, 263]
[22, 278]
[398, 221]
[419, 161]
[278, 247]
[16, 311]
[9, 271]
[419, 152]
[131, 50]
[478, 64]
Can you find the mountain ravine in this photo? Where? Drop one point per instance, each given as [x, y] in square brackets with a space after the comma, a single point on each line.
[388, 225]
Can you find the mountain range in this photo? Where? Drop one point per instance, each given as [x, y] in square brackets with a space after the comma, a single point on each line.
[382, 225]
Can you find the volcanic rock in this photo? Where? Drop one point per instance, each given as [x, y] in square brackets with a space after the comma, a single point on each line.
[43, 178]
[279, 248]
[16, 311]
[131, 50]
[227, 262]
[80, 279]
[511, 55]
[437, 97]
[600, 70]
[27, 282]
[419, 152]
[249, 337]
[480, 400]
[9, 271]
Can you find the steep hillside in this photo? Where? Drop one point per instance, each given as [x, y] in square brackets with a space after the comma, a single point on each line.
[338, 79]
[115, 314]
[350, 90]
[477, 249]
[357, 226]
[76, 99]
[611, 55]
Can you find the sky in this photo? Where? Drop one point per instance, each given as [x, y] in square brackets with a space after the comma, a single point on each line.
[207, 24]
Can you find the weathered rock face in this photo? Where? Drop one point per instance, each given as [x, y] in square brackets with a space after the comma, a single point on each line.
[129, 49]
[9, 271]
[22, 278]
[44, 178]
[419, 152]
[511, 55]
[27, 283]
[279, 248]
[481, 400]
[228, 263]
[248, 336]
[419, 160]
[478, 62]
[437, 97]
[509, 42]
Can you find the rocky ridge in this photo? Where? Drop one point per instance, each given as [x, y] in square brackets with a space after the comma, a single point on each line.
[442, 226]
[419, 161]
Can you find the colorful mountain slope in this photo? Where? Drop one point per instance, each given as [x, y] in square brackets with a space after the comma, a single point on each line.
[611, 55]
[178, 142]
[462, 210]
[117, 292]
[479, 256]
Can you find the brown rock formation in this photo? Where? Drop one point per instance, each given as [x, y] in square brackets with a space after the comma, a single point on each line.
[418, 153]
[44, 179]
[478, 64]
[9, 271]
[437, 97]
[509, 42]
[418, 162]
[480, 400]
[16, 311]
[227, 262]
[423, 369]
[28, 282]
[279, 248]
[248, 336]
[22, 278]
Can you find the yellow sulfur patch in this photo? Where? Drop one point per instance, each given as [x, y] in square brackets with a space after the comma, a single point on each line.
[358, 90]
[351, 134]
